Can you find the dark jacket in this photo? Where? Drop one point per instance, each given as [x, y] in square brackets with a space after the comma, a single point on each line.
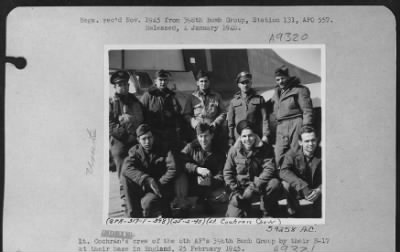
[298, 173]
[204, 108]
[156, 164]
[251, 108]
[194, 156]
[130, 105]
[241, 169]
[162, 109]
[293, 101]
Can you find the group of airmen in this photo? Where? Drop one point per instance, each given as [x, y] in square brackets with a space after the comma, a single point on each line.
[163, 151]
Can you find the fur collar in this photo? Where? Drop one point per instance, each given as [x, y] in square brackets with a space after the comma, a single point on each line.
[292, 81]
[153, 90]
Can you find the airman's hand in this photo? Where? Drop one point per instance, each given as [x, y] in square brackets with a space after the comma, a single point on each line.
[152, 184]
[204, 172]
[314, 195]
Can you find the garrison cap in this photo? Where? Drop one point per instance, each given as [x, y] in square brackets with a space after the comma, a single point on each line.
[142, 129]
[282, 71]
[244, 124]
[242, 76]
[119, 76]
[162, 74]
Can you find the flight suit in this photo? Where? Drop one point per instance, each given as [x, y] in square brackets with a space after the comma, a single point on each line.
[163, 114]
[293, 109]
[126, 113]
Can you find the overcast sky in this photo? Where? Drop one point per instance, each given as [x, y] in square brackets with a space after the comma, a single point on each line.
[308, 59]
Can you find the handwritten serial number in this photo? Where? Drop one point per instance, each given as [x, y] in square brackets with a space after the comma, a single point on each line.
[287, 37]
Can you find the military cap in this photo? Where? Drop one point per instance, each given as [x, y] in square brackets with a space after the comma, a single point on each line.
[242, 76]
[119, 76]
[162, 74]
[282, 71]
[202, 74]
[203, 127]
[244, 124]
[142, 129]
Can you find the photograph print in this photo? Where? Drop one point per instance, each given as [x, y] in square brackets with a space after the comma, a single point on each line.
[216, 132]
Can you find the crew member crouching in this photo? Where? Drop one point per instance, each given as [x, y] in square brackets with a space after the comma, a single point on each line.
[301, 173]
[250, 173]
[203, 164]
[148, 176]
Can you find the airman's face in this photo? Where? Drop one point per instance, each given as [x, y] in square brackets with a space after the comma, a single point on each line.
[309, 143]
[203, 83]
[281, 81]
[146, 141]
[161, 82]
[248, 138]
[205, 139]
[245, 85]
[121, 88]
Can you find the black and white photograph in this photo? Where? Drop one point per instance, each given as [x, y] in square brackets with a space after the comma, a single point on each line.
[216, 132]
[225, 128]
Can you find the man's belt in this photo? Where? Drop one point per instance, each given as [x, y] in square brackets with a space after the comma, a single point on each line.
[289, 117]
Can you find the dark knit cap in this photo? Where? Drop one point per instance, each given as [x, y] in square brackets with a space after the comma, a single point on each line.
[142, 129]
[119, 76]
[244, 124]
[282, 71]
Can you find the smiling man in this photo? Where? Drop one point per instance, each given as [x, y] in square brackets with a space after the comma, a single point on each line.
[301, 173]
[250, 173]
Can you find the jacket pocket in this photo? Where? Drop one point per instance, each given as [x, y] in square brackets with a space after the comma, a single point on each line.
[255, 102]
[254, 105]
[212, 108]
[236, 103]
[241, 166]
[290, 102]
[239, 110]
[198, 109]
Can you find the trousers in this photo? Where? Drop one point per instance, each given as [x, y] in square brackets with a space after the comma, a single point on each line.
[293, 197]
[141, 202]
[268, 200]
[119, 151]
[287, 137]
